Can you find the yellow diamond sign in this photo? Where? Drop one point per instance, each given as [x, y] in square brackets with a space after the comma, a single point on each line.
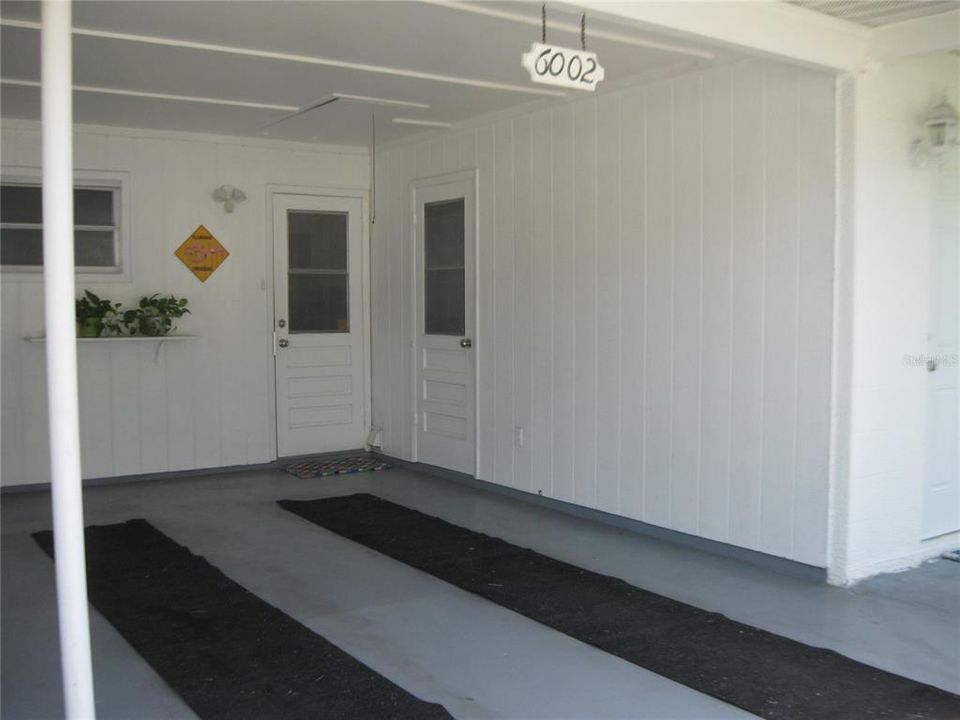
[202, 253]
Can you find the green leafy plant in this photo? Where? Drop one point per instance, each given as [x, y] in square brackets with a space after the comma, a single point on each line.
[155, 315]
[92, 312]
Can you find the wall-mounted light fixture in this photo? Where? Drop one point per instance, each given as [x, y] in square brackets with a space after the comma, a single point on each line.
[940, 125]
[229, 196]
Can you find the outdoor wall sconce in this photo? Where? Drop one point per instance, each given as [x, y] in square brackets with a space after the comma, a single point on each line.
[229, 196]
[941, 126]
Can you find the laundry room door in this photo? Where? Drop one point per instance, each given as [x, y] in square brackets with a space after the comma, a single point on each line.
[444, 214]
[319, 323]
[941, 507]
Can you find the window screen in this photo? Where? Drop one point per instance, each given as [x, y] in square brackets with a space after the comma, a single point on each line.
[318, 278]
[444, 291]
[96, 227]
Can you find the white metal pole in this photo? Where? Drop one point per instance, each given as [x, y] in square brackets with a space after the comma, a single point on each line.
[58, 279]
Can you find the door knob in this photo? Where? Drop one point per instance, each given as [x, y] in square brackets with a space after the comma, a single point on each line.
[283, 342]
[466, 342]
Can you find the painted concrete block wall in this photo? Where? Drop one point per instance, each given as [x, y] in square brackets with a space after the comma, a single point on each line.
[655, 284]
[205, 403]
[880, 495]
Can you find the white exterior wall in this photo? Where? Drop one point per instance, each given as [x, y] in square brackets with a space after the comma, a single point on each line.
[204, 403]
[655, 285]
[884, 430]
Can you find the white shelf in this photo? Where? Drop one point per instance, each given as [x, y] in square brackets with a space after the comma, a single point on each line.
[123, 338]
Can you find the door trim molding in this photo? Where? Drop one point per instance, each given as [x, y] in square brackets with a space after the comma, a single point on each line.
[272, 190]
[471, 175]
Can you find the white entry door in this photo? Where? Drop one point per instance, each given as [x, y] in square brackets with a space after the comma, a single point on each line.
[941, 509]
[445, 231]
[318, 323]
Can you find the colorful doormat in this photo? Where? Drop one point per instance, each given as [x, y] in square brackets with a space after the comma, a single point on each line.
[321, 467]
[225, 651]
[764, 673]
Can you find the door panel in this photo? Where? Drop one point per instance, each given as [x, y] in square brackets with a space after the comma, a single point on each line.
[318, 323]
[445, 229]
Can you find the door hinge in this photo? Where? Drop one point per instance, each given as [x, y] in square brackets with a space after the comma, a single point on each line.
[274, 343]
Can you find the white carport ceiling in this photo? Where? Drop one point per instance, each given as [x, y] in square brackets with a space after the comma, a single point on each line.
[877, 13]
[404, 39]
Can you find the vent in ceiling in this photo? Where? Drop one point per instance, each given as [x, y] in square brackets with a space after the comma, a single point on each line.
[874, 13]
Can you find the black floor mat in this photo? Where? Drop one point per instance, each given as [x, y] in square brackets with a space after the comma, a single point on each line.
[763, 673]
[226, 652]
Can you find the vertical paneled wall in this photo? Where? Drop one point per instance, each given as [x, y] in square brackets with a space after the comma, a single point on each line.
[654, 298]
[203, 403]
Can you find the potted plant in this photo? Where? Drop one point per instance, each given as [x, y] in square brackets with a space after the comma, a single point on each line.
[155, 315]
[91, 311]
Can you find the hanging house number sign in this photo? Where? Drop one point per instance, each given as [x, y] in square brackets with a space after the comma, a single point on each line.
[563, 67]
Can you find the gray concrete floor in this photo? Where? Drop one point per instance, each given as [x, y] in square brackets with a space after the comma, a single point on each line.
[438, 642]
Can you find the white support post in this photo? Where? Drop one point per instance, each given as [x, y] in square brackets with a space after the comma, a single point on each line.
[58, 280]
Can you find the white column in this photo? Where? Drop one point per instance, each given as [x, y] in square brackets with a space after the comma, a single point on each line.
[58, 272]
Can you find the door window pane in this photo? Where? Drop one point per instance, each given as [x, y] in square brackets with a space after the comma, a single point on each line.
[318, 304]
[444, 234]
[445, 307]
[318, 287]
[444, 284]
[318, 240]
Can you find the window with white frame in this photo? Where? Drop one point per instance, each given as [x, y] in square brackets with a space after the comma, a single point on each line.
[97, 227]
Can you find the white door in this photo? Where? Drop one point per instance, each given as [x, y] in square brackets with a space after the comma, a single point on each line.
[318, 323]
[942, 483]
[445, 231]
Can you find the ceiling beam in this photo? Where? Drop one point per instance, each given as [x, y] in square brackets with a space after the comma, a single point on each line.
[423, 123]
[158, 96]
[573, 28]
[294, 58]
[933, 33]
[773, 29]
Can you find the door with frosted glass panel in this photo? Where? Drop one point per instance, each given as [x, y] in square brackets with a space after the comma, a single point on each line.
[444, 214]
[318, 324]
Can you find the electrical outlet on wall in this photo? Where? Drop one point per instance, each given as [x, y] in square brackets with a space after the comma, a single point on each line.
[518, 436]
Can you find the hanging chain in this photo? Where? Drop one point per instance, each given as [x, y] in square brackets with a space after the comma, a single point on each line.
[543, 23]
[583, 31]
